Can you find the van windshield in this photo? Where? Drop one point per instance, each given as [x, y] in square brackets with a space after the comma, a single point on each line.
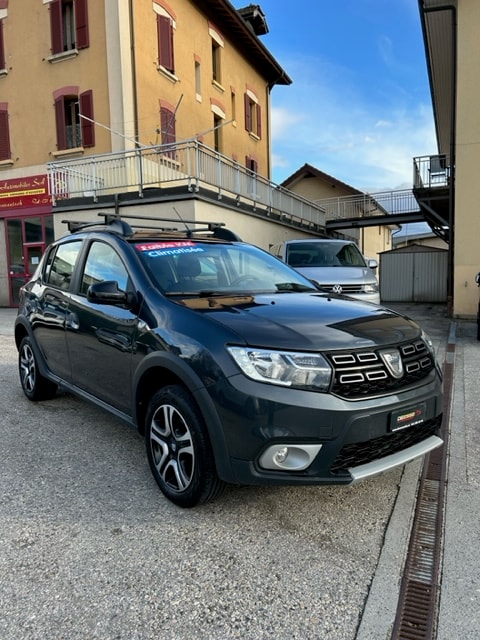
[324, 254]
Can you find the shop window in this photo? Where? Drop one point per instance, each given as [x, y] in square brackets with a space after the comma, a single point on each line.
[74, 121]
[69, 25]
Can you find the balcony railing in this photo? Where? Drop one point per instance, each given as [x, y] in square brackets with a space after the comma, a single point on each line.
[369, 205]
[189, 165]
[431, 171]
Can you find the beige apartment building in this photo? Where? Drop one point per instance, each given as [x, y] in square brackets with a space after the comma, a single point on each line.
[453, 58]
[96, 77]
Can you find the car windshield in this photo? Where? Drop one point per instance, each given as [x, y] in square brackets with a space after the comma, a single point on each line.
[324, 254]
[217, 268]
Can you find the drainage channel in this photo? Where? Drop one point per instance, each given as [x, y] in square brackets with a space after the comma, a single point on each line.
[417, 609]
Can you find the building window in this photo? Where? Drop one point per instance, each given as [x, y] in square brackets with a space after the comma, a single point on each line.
[233, 104]
[198, 80]
[5, 153]
[216, 60]
[217, 133]
[69, 25]
[2, 48]
[253, 115]
[165, 43]
[167, 124]
[74, 121]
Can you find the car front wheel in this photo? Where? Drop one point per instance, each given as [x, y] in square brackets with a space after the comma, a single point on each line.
[178, 448]
[34, 385]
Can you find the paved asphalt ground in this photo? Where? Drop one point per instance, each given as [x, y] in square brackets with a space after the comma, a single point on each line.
[90, 549]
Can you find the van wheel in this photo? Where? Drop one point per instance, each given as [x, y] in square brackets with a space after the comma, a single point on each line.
[34, 385]
[178, 448]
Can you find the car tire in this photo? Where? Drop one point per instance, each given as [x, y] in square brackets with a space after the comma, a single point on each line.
[179, 450]
[35, 386]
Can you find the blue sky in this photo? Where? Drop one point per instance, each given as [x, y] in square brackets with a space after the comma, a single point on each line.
[359, 107]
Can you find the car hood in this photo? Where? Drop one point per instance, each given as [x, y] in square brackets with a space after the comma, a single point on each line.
[338, 275]
[305, 321]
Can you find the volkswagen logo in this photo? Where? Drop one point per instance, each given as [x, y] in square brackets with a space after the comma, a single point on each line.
[337, 288]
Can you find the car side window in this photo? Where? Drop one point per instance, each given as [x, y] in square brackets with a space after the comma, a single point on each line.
[61, 263]
[103, 263]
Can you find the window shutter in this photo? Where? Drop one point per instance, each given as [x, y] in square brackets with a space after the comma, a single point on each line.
[2, 47]
[5, 153]
[247, 112]
[60, 123]
[81, 24]
[259, 121]
[165, 43]
[56, 26]
[88, 128]
[167, 124]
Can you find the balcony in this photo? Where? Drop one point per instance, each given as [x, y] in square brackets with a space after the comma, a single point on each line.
[187, 168]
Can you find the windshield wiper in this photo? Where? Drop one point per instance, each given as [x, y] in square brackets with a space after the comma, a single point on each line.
[285, 287]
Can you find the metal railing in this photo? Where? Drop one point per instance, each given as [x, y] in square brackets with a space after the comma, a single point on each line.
[190, 165]
[369, 205]
[431, 171]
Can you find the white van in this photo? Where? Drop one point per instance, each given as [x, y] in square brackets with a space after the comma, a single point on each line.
[335, 265]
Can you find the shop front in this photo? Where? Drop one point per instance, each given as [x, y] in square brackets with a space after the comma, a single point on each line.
[26, 214]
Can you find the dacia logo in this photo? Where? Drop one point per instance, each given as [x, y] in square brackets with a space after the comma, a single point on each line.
[393, 362]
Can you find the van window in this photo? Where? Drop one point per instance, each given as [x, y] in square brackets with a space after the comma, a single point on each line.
[324, 254]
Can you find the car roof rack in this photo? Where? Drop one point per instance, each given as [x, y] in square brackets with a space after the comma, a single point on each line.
[117, 224]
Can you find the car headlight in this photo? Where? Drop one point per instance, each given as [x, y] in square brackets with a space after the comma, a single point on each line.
[285, 368]
[371, 288]
[428, 341]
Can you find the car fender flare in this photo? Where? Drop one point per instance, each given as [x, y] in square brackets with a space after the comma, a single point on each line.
[27, 330]
[185, 374]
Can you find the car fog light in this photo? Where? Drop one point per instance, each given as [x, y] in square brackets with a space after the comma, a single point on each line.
[281, 455]
[291, 457]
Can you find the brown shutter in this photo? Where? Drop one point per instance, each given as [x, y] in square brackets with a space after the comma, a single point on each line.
[81, 24]
[167, 124]
[56, 26]
[88, 127]
[165, 43]
[5, 153]
[2, 47]
[259, 121]
[247, 112]
[60, 123]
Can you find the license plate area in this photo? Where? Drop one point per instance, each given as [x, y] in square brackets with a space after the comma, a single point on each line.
[410, 417]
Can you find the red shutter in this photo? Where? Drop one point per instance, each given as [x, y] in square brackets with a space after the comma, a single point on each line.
[167, 124]
[247, 112]
[56, 26]
[165, 43]
[88, 127]
[2, 47]
[5, 153]
[60, 123]
[259, 121]
[81, 24]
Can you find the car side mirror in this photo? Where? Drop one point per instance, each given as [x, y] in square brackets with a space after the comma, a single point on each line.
[372, 263]
[107, 292]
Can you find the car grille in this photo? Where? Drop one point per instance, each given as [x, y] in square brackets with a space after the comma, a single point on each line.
[360, 374]
[346, 288]
[353, 455]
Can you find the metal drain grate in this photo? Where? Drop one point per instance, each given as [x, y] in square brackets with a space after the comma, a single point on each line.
[418, 602]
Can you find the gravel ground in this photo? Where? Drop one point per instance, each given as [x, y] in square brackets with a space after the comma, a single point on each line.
[89, 547]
